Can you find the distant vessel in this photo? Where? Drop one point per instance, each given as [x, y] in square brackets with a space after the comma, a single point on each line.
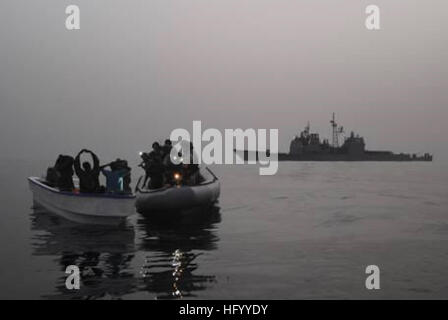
[308, 147]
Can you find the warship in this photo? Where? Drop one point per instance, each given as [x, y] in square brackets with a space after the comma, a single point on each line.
[308, 146]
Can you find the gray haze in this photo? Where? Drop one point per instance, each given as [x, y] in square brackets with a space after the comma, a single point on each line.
[138, 69]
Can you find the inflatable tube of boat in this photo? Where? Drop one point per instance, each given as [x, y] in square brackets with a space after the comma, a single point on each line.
[178, 197]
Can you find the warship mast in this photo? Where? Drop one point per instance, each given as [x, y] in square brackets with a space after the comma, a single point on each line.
[335, 132]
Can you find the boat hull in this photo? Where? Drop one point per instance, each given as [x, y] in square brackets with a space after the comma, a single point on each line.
[177, 198]
[83, 208]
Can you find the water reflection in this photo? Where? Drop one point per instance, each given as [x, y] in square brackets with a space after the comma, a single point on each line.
[172, 250]
[102, 253]
[158, 257]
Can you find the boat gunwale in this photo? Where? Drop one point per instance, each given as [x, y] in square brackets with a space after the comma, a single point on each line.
[37, 181]
[149, 191]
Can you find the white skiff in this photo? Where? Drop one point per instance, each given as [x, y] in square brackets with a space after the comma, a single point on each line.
[101, 208]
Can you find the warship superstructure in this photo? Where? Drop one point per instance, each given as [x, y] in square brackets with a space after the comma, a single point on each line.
[308, 146]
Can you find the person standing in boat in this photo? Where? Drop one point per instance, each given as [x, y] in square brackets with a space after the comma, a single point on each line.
[166, 149]
[156, 169]
[153, 166]
[127, 178]
[145, 166]
[170, 168]
[88, 176]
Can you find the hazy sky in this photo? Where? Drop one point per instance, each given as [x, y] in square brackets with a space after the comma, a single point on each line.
[138, 69]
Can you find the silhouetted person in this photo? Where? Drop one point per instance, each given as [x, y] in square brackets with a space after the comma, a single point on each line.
[155, 167]
[52, 177]
[115, 177]
[166, 149]
[145, 166]
[170, 167]
[191, 174]
[88, 176]
[65, 168]
[127, 178]
[61, 175]
[190, 171]
[156, 150]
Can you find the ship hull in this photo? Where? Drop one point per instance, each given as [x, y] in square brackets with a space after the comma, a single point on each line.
[345, 157]
[366, 156]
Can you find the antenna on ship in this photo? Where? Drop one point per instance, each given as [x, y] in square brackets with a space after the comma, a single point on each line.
[334, 140]
[336, 131]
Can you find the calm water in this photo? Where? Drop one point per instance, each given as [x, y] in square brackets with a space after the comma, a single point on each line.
[308, 232]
